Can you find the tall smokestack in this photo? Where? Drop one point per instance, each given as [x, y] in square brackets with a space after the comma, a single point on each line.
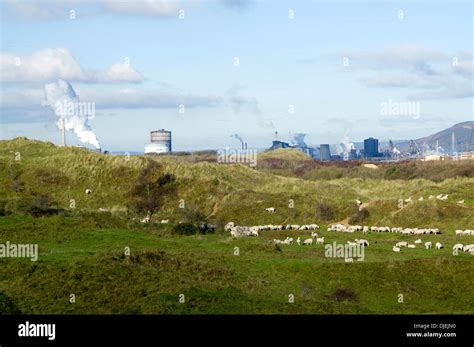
[63, 132]
[453, 142]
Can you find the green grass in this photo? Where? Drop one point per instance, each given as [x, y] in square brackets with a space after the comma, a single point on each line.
[82, 252]
[90, 264]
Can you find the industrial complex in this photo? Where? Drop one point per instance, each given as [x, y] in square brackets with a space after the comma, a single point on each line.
[370, 149]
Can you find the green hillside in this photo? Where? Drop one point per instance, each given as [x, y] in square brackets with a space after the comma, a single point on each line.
[82, 248]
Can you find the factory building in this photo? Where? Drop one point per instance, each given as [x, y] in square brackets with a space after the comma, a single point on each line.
[160, 142]
[371, 148]
[325, 152]
[279, 144]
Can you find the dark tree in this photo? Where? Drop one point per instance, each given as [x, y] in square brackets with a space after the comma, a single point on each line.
[151, 190]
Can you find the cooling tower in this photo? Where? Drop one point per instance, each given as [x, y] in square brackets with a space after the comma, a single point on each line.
[160, 142]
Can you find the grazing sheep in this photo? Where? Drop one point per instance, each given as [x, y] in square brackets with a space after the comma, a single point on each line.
[165, 221]
[411, 245]
[88, 191]
[298, 241]
[270, 209]
[439, 245]
[428, 245]
[314, 235]
[147, 219]
[396, 249]
[461, 202]
[320, 240]
[418, 241]
[468, 248]
[401, 244]
[308, 242]
[458, 246]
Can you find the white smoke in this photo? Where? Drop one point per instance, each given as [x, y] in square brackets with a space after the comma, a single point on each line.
[59, 96]
[346, 146]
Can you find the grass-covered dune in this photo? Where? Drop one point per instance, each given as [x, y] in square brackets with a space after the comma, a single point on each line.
[81, 249]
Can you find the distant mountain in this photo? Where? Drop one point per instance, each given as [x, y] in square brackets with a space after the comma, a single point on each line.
[463, 138]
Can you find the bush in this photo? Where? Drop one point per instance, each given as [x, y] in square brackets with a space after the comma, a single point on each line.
[17, 186]
[38, 205]
[344, 294]
[193, 215]
[359, 216]
[7, 305]
[325, 211]
[185, 229]
[3, 208]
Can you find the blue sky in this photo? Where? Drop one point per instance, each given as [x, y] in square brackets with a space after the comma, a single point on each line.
[138, 61]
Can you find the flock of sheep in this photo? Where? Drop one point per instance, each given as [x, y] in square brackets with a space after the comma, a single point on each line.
[406, 231]
[459, 246]
[242, 231]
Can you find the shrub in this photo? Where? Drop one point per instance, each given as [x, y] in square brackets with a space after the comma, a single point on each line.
[185, 229]
[344, 294]
[325, 211]
[359, 216]
[17, 186]
[151, 190]
[193, 215]
[7, 305]
[38, 205]
[3, 208]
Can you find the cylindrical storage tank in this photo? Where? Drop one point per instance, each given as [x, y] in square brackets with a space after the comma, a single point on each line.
[160, 142]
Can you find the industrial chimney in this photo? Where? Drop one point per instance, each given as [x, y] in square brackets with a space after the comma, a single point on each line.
[63, 132]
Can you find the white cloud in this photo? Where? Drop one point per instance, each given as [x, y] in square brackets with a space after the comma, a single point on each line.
[22, 104]
[416, 67]
[60, 9]
[411, 56]
[57, 63]
[154, 8]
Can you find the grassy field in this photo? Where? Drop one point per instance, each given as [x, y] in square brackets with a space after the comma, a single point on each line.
[81, 250]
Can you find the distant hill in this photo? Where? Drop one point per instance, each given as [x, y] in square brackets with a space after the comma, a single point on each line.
[463, 136]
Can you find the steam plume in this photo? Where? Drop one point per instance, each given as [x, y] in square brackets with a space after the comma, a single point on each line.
[62, 98]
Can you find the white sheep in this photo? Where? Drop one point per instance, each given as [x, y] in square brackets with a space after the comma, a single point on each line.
[401, 244]
[396, 249]
[165, 221]
[88, 191]
[270, 209]
[468, 248]
[308, 242]
[411, 245]
[298, 241]
[320, 240]
[314, 235]
[418, 241]
[438, 245]
[458, 246]
[428, 245]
